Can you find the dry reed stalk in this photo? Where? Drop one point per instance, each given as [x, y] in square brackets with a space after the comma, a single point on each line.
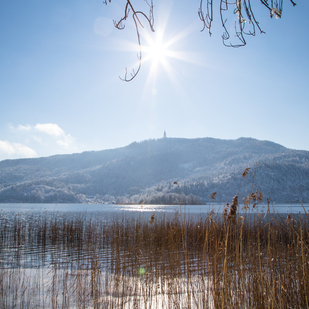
[251, 263]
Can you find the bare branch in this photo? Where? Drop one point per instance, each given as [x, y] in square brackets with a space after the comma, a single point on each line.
[208, 17]
[241, 10]
[137, 23]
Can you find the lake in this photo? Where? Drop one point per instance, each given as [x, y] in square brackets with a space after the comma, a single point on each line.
[294, 208]
[30, 219]
[152, 256]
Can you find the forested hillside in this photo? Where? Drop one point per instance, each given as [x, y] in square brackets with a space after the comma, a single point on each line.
[146, 171]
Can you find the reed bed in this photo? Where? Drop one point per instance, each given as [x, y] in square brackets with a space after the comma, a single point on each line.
[63, 260]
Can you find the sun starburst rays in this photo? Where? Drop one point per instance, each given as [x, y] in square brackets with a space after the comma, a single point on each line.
[160, 55]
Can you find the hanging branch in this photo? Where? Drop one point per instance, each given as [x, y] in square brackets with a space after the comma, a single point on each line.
[137, 23]
[244, 14]
[245, 18]
[208, 17]
[253, 20]
[242, 10]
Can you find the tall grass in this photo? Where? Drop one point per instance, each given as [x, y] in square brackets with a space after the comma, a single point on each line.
[218, 261]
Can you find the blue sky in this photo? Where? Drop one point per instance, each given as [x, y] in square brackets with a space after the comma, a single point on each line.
[60, 63]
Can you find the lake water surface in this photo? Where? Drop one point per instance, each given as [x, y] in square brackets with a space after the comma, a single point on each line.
[293, 208]
[30, 220]
[118, 256]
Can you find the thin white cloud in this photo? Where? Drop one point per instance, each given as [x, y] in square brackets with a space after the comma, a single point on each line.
[14, 150]
[24, 150]
[52, 129]
[24, 128]
[6, 147]
[65, 141]
[49, 128]
[46, 138]
[38, 139]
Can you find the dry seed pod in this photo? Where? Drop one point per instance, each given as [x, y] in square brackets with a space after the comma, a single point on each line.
[233, 208]
[245, 173]
[212, 196]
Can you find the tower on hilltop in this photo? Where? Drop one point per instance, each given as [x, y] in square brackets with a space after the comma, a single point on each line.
[164, 135]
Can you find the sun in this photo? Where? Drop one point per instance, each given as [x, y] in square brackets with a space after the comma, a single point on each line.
[156, 50]
[160, 52]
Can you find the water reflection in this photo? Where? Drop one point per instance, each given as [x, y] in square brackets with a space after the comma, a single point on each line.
[69, 235]
[71, 239]
[127, 256]
[33, 207]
